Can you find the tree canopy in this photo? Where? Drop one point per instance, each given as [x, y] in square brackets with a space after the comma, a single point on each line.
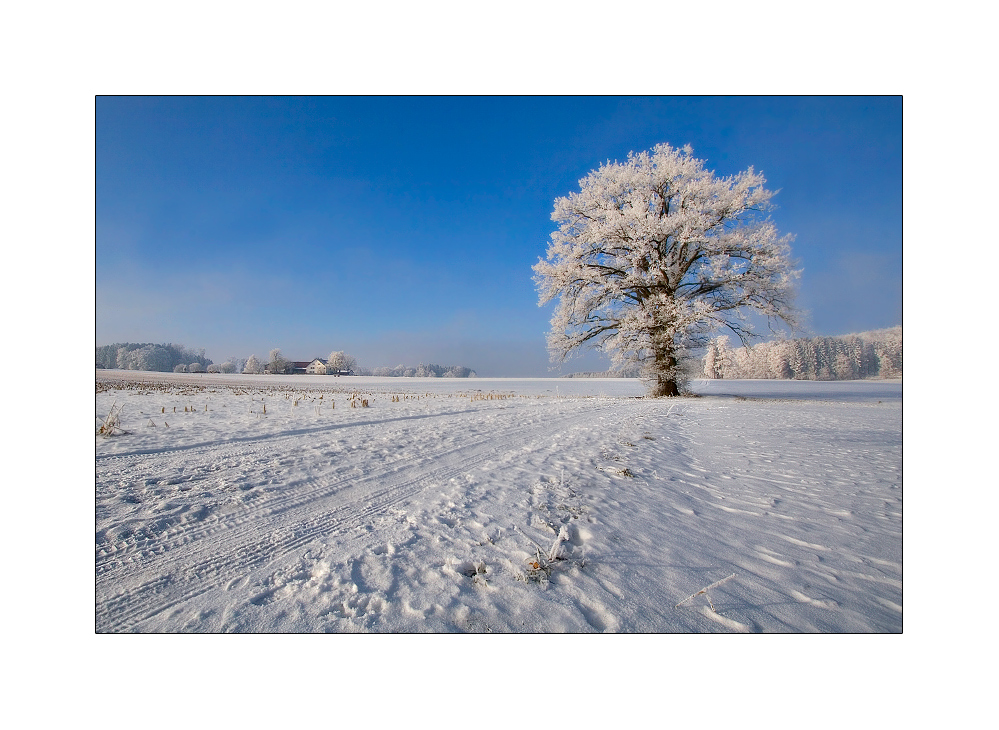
[655, 254]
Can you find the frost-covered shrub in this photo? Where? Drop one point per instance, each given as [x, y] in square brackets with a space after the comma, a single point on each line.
[180, 368]
[195, 367]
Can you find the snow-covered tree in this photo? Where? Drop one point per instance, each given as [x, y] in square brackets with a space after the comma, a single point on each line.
[148, 356]
[739, 364]
[889, 355]
[180, 368]
[845, 357]
[655, 254]
[195, 367]
[843, 368]
[716, 358]
[253, 366]
[385, 371]
[278, 363]
[227, 367]
[340, 362]
[779, 360]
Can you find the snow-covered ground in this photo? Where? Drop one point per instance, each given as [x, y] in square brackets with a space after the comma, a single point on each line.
[502, 505]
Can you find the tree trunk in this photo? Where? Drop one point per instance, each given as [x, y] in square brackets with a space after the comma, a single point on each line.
[665, 385]
[665, 388]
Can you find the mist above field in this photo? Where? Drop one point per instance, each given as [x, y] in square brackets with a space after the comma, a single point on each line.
[404, 229]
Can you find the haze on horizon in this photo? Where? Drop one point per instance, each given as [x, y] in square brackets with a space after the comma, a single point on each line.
[403, 229]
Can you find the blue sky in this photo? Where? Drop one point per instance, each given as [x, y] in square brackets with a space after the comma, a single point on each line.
[403, 229]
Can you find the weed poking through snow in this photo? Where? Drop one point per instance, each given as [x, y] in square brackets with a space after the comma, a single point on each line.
[705, 592]
[111, 426]
[540, 568]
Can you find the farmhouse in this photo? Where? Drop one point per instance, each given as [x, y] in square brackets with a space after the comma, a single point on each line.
[316, 367]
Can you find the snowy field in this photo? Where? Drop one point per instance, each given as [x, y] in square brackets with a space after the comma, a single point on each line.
[269, 504]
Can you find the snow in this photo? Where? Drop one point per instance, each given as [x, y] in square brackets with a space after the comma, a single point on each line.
[497, 505]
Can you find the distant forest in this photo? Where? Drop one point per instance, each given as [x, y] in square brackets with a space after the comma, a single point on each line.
[421, 371]
[875, 354]
[147, 356]
[633, 371]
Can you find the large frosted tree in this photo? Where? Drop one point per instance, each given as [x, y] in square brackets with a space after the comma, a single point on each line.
[654, 255]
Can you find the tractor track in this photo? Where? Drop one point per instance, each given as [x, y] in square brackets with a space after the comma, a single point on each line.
[154, 574]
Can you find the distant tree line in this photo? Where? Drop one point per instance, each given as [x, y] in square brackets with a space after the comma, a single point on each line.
[424, 371]
[875, 354]
[343, 363]
[178, 359]
[148, 356]
[633, 371]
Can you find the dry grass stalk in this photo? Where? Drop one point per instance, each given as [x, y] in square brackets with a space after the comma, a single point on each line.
[705, 592]
[111, 426]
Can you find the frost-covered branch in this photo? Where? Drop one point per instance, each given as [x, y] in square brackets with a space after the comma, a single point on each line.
[653, 255]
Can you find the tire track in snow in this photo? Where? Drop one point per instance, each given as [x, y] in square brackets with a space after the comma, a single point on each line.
[196, 564]
[269, 452]
[185, 532]
[178, 530]
[263, 439]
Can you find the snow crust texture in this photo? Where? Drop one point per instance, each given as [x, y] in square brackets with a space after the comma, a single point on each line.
[496, 506]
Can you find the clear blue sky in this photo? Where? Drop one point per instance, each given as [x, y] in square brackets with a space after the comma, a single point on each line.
[403, 229]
